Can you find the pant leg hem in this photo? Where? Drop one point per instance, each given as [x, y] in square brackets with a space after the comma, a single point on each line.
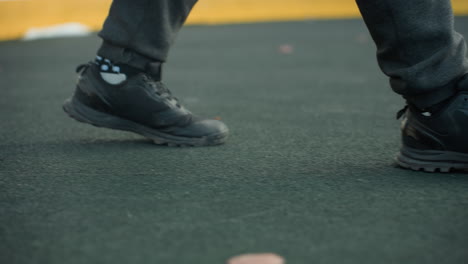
[424, 101]
[119, 54]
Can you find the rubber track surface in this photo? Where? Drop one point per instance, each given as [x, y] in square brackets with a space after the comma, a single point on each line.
[307, 172]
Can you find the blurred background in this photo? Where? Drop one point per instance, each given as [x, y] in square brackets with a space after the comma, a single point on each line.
[18, 17]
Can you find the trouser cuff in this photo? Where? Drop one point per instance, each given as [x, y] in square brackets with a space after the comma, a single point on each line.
[427, 100]
[424, 101]
[122, 55]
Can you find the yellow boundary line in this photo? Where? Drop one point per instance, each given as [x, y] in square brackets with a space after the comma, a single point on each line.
[17, 16]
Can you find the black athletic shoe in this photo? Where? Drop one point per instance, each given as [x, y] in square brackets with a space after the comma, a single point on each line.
[436, 142]
[140, 104]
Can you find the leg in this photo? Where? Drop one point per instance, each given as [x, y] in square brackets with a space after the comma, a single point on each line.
[424, 57]
[122, 88]
[417, 47]
[140, 31]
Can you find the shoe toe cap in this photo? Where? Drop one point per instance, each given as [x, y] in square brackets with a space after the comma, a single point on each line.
[202, 128]
[206, 128]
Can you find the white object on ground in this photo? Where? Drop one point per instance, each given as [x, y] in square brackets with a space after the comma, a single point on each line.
[262, 258]
[286, 49]
[62, 30]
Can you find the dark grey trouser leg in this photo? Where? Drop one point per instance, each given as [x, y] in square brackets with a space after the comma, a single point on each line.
[417, 47]
[137, 32]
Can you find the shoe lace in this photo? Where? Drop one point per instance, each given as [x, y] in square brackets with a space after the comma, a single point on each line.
[161, 90]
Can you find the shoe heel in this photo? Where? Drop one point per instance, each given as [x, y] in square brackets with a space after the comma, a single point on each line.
[85, 114]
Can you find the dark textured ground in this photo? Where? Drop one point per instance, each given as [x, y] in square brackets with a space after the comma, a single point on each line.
[307, 172]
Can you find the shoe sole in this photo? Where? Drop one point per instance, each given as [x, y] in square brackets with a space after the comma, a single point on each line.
[431, 160]
[85, 114]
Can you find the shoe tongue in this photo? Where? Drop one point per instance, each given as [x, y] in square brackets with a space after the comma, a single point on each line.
[154, 70]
